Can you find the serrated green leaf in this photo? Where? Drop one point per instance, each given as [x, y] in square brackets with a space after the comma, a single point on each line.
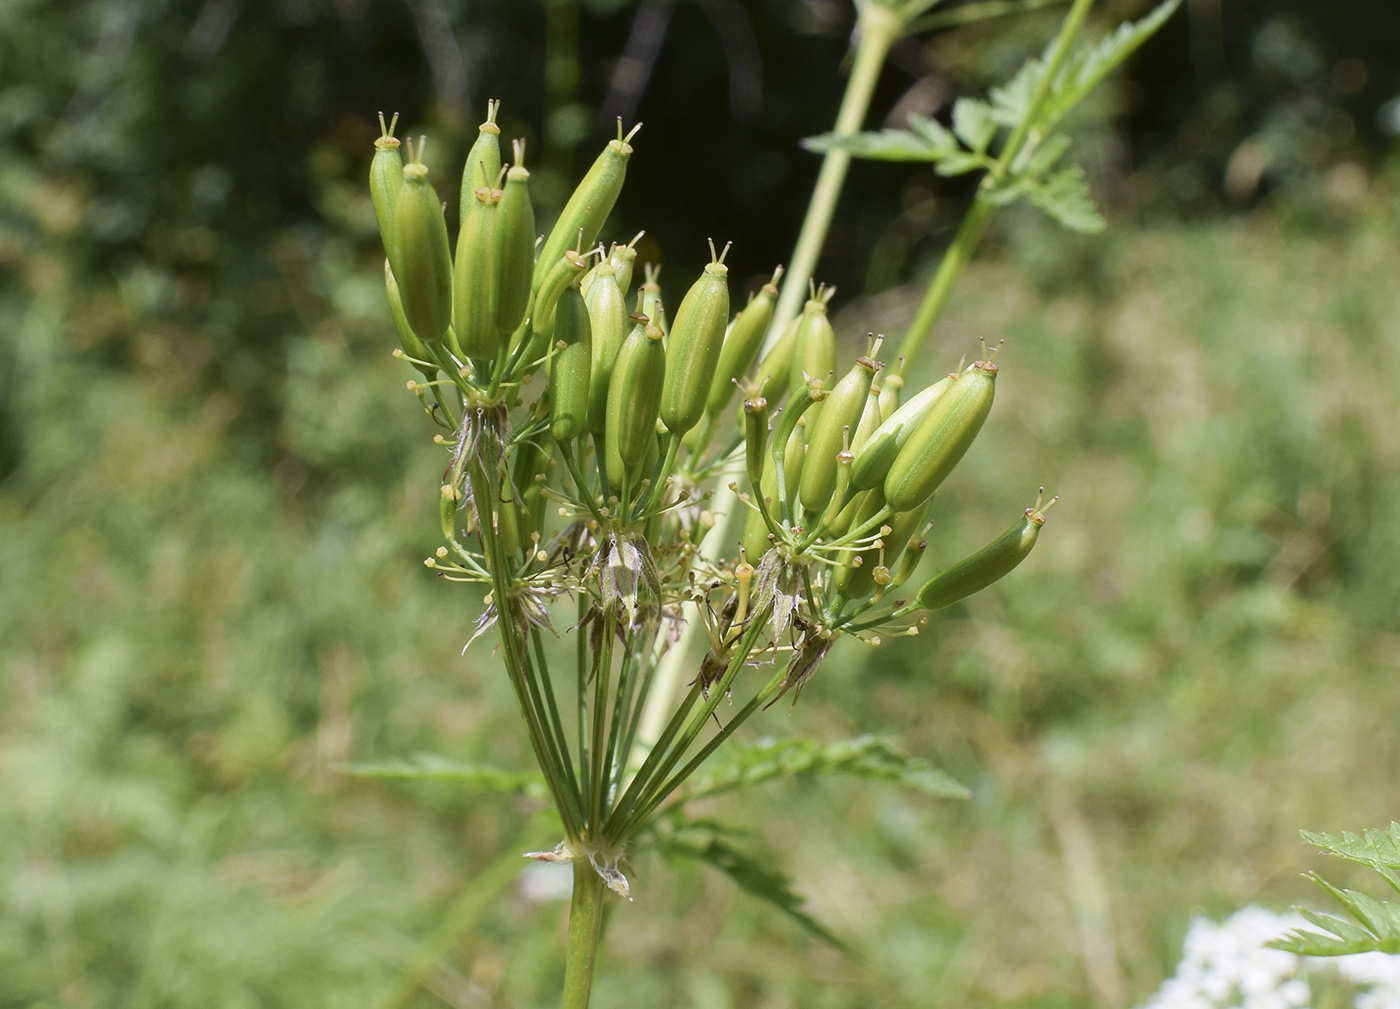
[1305, 943]
[932, 132]
[477, 777]
[1377, 849]
[1012, 100]
[1380, 918]
[1041, 158]
[1339, 927]
[753, 876]
[884, 145]
[960, 163]
[973, 123]
[1065, 196]
[1091, 64]
[870, 757]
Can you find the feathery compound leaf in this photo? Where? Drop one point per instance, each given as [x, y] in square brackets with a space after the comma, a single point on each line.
[868, 757]
[1012, 101]
[476, 777]
[1091, 64]
[1375, 848]
[752, 875]
[1065, 197]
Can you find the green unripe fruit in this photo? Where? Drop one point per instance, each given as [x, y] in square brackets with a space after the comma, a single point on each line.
[794, 458]
[741, 343]
[483, 161]
[695, 343]
[890, 389]
[869, 420]
[942, 438]
[420, 256]
[565, 273]
[607, 312]
[514, 248]
[569, 367]
[773, 373]
[814, 351]
[634, 401]
[622, 258]
[859, 581]
[827, 433]
[875, 456]
[412, 346]
[473, 278]
[385, 178]
[996, 559]
[590, 204]
[649, 299]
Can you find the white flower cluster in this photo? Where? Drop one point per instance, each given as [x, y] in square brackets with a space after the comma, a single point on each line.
[1227, 966]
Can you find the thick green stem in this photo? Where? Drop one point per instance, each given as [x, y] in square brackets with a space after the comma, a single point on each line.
[879, 27]
[585, 922]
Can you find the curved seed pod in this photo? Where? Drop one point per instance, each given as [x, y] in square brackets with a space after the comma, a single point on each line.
[755, 437]
[514, 247]
[483, 166]
[814, 352]
[634, 401]
[565, 273]
[858, 581]
[569, 367]
[590, 204]
[869, 420]
[741, 343]
[607, 313]
[874, 457]
[974, 573]
[774, 372]
[891, 387]
[942, 437]
[385, 178]
[473, 278]
[649, 298]
[419, 253]
[412, 346]
[696, 340]
[827, 433]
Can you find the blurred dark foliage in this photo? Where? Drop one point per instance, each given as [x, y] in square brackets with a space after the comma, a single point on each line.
[190, 155]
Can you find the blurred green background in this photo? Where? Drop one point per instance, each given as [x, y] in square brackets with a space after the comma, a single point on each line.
[215, 494]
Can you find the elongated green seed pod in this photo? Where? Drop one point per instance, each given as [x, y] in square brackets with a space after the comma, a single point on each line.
[774, 372]
[814, 352]
[741, 343]
[875, 456]
[825, 437]
[565, 273]
[385, 178]
[473, 278]
[794, 458]
[483, 160]
[412, 346]
[891, 387]
[607, 312]
[942, 438]
[996, 559]
[514, 247]
[693, 352]
[569, 367]
[622, 258]
[649, 298]
[420, 256]
[869, 420]
[634, 401]
[859, 581]
[590, 204]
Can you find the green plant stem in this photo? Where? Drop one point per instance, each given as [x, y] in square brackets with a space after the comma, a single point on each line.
[585, 922]
[974, 223]
[879, 28]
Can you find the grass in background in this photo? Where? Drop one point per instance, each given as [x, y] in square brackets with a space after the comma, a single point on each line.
[1199, 659]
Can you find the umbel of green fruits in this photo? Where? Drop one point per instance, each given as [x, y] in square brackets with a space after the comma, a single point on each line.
[585, 429]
